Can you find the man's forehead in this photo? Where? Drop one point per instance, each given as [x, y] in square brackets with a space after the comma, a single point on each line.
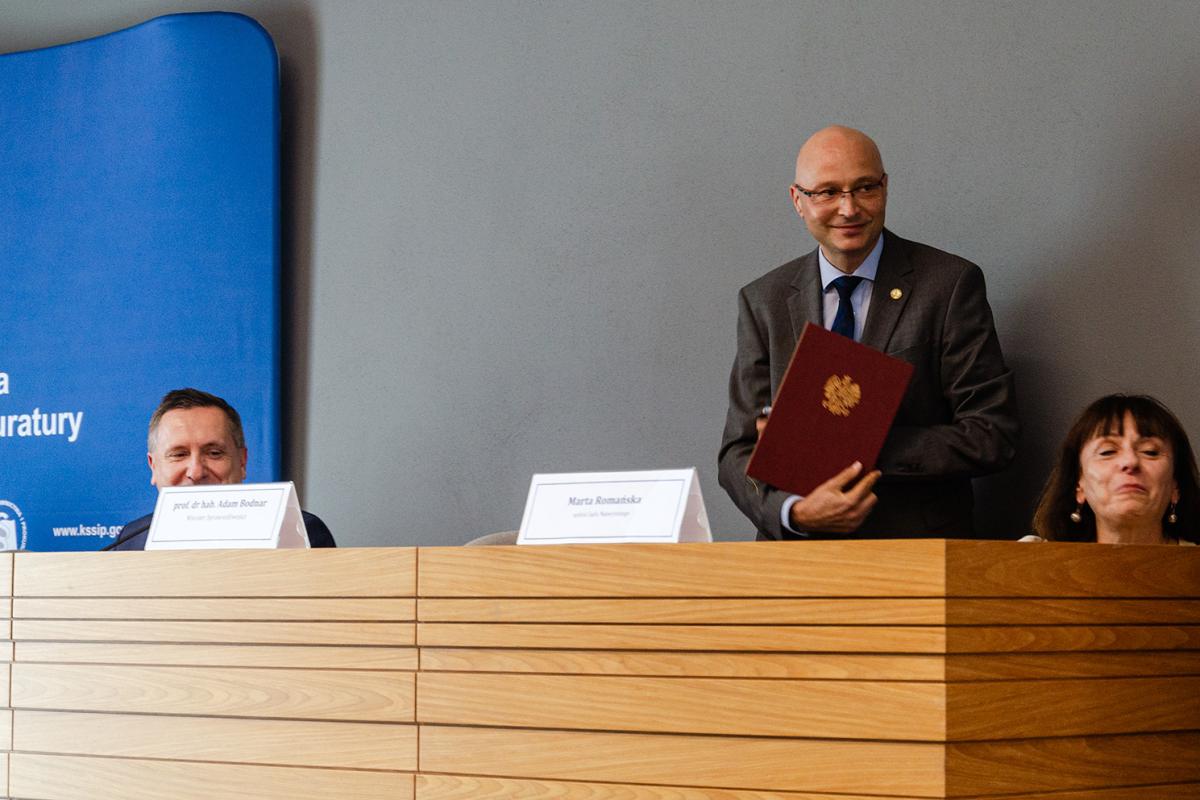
[838, 155]
[202, 422]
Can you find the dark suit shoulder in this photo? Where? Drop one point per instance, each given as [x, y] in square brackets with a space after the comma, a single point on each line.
[133, 534]
[779, 279]
[926, 257]
[318, 532]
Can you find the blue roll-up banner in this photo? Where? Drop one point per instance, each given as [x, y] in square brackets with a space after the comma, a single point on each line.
[139, 252]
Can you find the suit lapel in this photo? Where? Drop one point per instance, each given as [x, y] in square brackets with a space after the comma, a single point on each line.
[894, 274]
[804, 303]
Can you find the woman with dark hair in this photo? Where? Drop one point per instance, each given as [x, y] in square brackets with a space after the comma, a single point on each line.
[1126, 474]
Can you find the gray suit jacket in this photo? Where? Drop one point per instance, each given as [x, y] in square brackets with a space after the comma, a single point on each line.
[958, 419]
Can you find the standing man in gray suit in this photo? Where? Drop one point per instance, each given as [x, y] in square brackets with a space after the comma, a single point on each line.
[958, 419]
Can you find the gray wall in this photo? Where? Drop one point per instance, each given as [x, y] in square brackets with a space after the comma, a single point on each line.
[515, 230]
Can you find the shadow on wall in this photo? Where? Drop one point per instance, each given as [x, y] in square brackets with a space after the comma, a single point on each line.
[1113, 306]
[294, 29]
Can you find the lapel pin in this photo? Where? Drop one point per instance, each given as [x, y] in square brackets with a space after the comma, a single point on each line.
[896, 294]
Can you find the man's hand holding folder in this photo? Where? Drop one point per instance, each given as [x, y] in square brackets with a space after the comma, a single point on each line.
[834, 406]
[839, 505]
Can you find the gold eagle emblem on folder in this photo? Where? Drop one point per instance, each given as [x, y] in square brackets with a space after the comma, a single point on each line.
[841, 395]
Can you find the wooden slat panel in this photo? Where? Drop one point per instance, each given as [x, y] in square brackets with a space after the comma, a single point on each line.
[82, 778]
[299, 694]
[1077, 764]
[777, 611]
[1178, 791]
[817, 709]
[823, 611]
[215, 655]
[1060, 611]
[6, 573]
[459, 787]
[975, 770]
[6, 730]
[6, 651]
[718, 761]
[361, 609]
[1051, 638]
[6, 603]
[1022, 709]
[815, 611]
[348, 745]
[331, 572]
[1070, 569]
[723, 665]
[814, 638]
[743, 569]
[1001, 666]
[810, 638]
[332, 633]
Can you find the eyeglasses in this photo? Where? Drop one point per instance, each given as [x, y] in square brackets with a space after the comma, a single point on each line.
[827, 197]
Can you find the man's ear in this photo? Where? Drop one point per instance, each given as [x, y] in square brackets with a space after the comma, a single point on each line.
[796, 200]
[245, 454]
[150, 463]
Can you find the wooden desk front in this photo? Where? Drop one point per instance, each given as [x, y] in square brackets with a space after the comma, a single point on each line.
[739, 671]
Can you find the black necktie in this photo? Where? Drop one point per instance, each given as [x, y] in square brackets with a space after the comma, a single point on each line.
[843, 323]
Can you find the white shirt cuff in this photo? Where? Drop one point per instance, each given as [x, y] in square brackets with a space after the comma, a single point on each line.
[785, 514]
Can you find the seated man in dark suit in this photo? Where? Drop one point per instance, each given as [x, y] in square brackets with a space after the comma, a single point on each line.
[196, 439]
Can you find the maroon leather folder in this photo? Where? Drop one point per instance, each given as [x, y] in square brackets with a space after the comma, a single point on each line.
[835, 406]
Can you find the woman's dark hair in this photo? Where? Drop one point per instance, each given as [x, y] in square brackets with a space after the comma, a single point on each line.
[1107, 416]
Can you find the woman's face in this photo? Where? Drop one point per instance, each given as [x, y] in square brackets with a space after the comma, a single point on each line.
[1127, 478]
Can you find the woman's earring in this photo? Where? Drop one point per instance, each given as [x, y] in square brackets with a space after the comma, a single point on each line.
[1077, 515]
[1171, 517]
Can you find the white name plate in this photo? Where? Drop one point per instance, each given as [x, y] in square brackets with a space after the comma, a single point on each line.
[239, 516]
[580, 507]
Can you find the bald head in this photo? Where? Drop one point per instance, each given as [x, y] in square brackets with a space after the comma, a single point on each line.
[836, 147]
[841, 194]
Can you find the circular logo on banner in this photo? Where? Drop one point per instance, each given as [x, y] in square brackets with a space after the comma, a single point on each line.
[14, 535]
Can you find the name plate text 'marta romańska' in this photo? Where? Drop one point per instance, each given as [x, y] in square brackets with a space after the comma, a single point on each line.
[649, 506]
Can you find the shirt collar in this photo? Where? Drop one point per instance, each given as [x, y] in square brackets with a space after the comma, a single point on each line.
[866, 270]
